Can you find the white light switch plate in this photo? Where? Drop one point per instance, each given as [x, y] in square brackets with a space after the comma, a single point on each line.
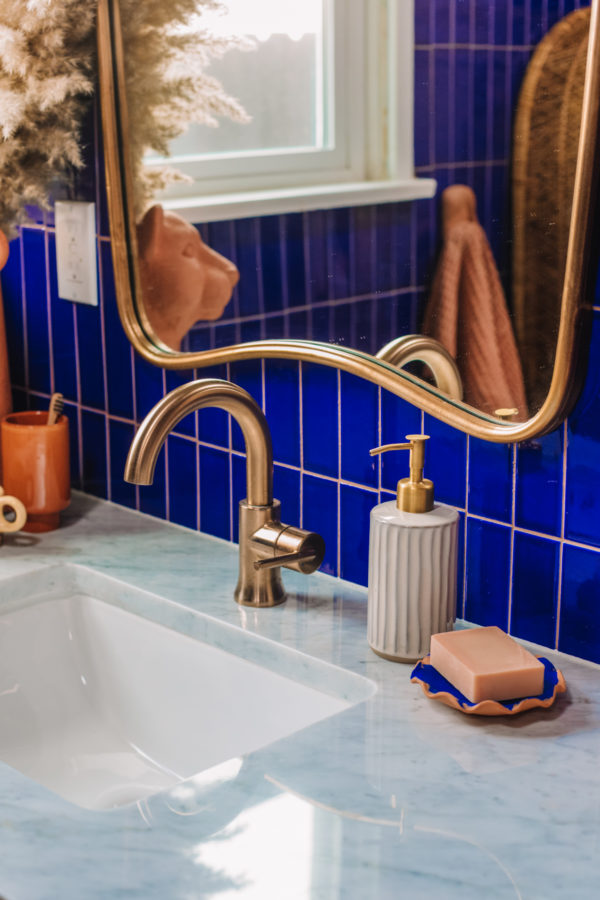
[76, 251]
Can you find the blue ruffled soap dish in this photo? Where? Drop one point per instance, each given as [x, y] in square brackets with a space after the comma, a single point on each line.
[439, 688]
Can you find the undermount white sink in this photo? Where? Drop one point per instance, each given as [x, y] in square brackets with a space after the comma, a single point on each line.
[105, 707]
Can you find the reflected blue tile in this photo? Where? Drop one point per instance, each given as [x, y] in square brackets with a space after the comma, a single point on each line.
[322, 324]
[295, 259]
[535, 587]
[423, 114]
[518, 24]
[246, 254]
[63, 334]
[482, 23]
[214, 492]
[463, 121]
[363, 249]
[462, 21]
[442, 115]
[362, 319]
[282, 409]
[339, 252]
[183, 482]
[538, 20]
[252, 330]
[446, 461]
[538, 500]
[398, 418]
[359, 429]
[501, 18]
[38, 345]
[93, 446]
[120, 437]
[579, 610]
[480, 104]
[488, 567]
[149, 386]
[248, 374]
[423, 23]
[271, 262]
[501, 123]
[582, 521]
[286, 489]
[318, 262]
[119, 360]
[393, 241]
[490, 479]
[320, 419]
[12, 294]
[298, 325]
[355, 510]
[441, 22]
[320, 514]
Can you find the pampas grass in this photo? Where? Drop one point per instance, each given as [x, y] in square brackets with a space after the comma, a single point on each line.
[47, 77]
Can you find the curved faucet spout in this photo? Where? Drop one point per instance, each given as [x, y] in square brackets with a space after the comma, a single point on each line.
[187, 398]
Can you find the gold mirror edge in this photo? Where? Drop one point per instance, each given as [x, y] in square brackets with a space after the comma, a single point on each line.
[571, 349]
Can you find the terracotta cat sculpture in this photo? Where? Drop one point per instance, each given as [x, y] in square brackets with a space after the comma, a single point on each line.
[183, 280]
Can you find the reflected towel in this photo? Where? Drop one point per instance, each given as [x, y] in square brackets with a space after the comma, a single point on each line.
[467, 310]
[5, 393]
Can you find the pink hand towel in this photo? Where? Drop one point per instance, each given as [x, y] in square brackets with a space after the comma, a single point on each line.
[467, 310]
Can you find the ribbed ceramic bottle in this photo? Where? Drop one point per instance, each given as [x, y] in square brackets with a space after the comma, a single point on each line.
[412, 579]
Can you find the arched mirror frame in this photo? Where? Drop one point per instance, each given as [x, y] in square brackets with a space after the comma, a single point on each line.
[573, 335]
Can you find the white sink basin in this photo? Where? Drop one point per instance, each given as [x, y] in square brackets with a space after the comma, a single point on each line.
[105, 707]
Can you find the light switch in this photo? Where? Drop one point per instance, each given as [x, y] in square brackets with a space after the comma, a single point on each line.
[76, 251]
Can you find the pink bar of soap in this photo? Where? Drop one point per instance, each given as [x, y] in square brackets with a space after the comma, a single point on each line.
[486, 664]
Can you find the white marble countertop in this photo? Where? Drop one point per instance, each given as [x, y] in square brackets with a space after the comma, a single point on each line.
[397, 796]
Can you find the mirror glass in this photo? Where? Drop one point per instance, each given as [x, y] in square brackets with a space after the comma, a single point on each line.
[479, 269]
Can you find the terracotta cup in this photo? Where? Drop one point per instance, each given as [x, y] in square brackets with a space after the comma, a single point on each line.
[35, 461]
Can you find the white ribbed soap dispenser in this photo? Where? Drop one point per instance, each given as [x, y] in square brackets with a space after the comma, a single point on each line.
[412, 564]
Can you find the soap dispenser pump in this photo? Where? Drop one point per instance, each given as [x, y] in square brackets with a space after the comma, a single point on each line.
[413, 550]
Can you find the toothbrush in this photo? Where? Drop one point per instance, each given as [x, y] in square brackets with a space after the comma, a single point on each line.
[56, 407]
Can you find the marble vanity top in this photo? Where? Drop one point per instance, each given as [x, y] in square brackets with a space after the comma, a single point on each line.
[397, 796]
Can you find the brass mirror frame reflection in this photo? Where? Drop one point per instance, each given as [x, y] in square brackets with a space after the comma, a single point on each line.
[573, 335]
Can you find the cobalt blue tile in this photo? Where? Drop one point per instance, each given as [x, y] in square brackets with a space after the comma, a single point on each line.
[322, 324]
[70, 410]
[538, 500]
[93, 446]
[63, 333]
[338, 246]
[149, 386]
[19, 400]
[248, 375]
[363, 250]
[423, 114]
[488, 566]
[198, 339]
[394, 317]
[220, 237]
[89, 345]
[119, 358]
[246, 254]
[490, 479]
[579, 612]
[214, 492]
[426, 237]
[120, 437]
[318, 262]
[320, 514]
[583, 454]
[282, 409]
[298, 325]
[183, 482]
[463, 115]
[518, 24]
[320, 439]
[252, 330]
[271, 262]
[538, 21]
[446, 461]
[423, 23]
[286, 489]
[393, 241]
[341, 327]
[212, 423]
[398, 418]
[38, 346]
[535, 585]
[363, 316]
[275, 327]
[13, 314]
[501, 122]
[460, 566]
[295, 260]
[482, 23]
[359, 429]
[500, 24]
[238, 492]
[481, 59]
[355, 510]
[462, 21]
[441, 23]
[441, 59]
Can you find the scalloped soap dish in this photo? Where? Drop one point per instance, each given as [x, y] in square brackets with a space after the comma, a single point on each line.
[439, 688]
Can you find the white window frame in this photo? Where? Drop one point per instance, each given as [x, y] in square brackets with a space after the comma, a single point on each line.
[373, 161]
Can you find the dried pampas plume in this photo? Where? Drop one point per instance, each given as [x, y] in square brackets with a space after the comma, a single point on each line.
[47, 75]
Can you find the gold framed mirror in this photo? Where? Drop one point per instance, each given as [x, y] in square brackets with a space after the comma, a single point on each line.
[571, 331]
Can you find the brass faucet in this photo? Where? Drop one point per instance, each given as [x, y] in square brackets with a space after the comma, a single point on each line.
[265, 543]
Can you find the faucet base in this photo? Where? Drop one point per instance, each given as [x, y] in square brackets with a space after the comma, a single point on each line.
[258, 588]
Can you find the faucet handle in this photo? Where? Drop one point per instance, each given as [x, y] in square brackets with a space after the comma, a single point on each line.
[294, 548]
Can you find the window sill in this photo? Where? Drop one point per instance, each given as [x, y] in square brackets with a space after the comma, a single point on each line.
[220, 207]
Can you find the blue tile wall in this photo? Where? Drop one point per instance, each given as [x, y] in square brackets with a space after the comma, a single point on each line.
[530, 539]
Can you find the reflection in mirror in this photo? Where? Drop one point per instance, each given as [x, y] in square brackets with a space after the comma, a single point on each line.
[498, 127]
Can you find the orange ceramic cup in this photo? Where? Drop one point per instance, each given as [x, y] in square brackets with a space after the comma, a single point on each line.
[35, 461]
